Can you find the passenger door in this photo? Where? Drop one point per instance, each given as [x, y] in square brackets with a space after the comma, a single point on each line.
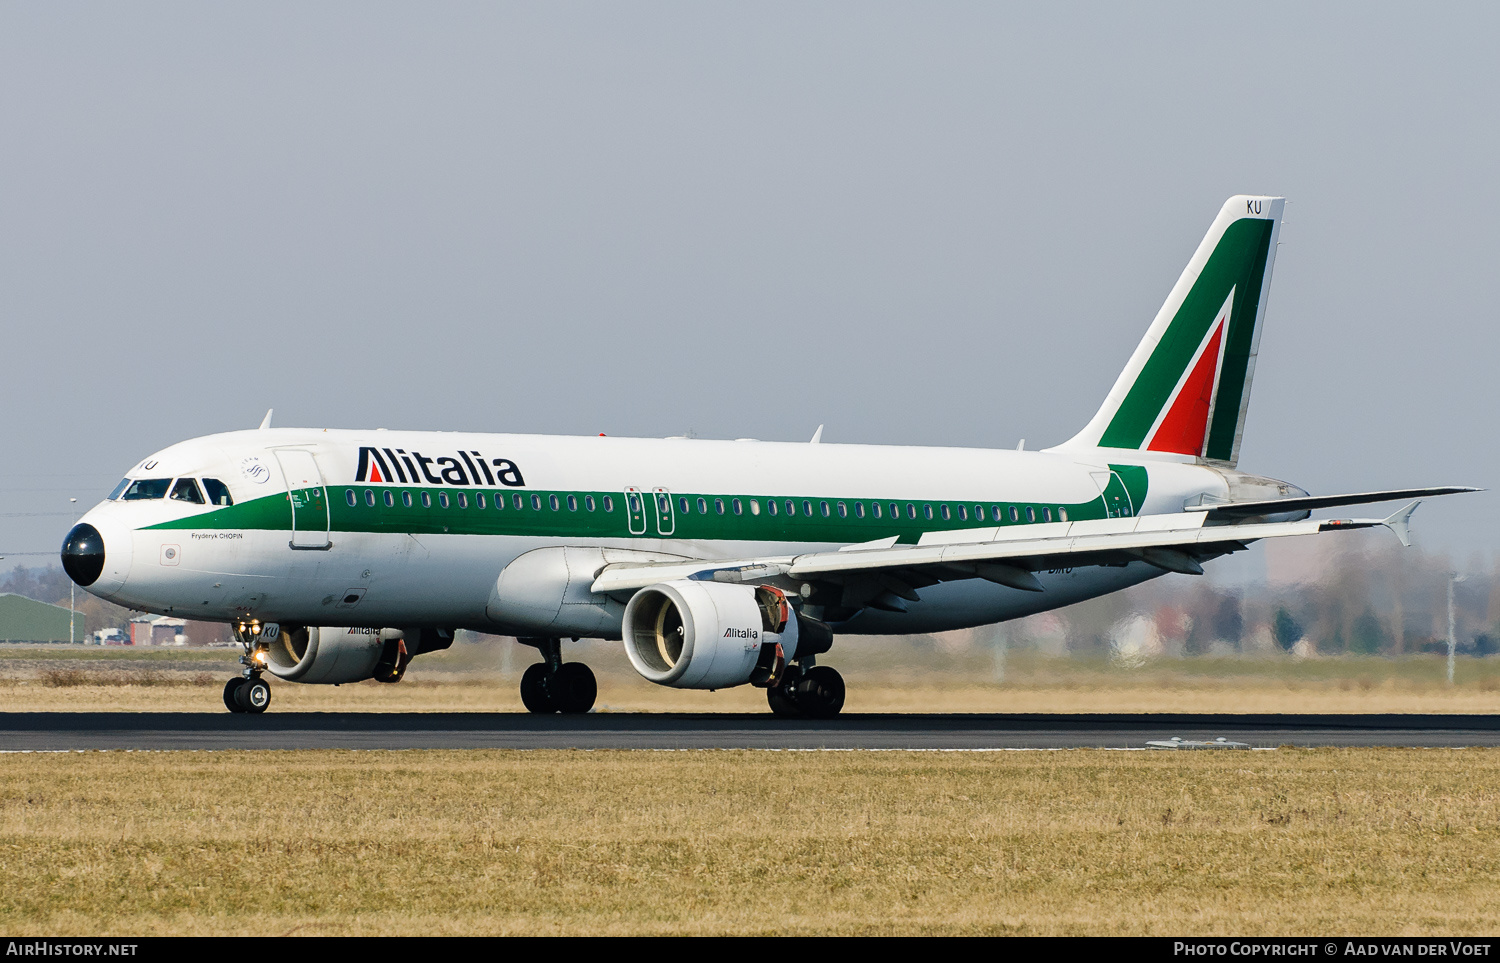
[309, 498]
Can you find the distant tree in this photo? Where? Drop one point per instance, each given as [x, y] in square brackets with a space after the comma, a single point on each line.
[1486, 644]
[1229, 623]
[1288, 630]
[1366, 634]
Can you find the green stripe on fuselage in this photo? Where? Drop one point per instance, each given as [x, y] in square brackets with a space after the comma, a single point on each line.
[273, 513]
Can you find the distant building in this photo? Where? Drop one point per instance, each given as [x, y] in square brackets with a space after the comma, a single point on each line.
[158, 630]
[27, 620]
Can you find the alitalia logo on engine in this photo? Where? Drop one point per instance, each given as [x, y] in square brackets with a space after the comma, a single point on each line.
[399, 466]
[741, 634]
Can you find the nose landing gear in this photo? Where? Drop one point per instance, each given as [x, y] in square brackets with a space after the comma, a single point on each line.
[248, 692]
[247, 695]
[555, 685]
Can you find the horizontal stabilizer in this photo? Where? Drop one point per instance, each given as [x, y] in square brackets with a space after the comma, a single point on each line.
[1307, 503]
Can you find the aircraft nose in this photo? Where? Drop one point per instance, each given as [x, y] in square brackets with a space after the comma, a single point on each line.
[83, 554]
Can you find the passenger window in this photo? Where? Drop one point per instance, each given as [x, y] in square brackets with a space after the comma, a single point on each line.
[738, 508]
[186, 490]
[807, 509]
[979, 513]
[427, 499]
[1047, 514]
[369, 498]
[1015, 514]
[633, 499]
[702, 506]
[518, 501]
[754, 507]
[572, 503]
[963, 513]
[718, 506]
[406, 499]
[143, 489]
[443, 499]
[875, 509]
[552, 500]
[588, 502]
[771, 505]
[479, 500]
[943, 510]
[463, 499]
[859, 509]
[791, 508]
[218, 492]
[350, 498]
[390, 499]
[843, 510]
[911, 510]
[927, 512]
[1062, 514]
[536, 503]
[1030, 514]
[682, 505]
[609, 504]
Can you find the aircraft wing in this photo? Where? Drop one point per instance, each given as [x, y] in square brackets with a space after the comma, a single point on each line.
[1304, 503]
[1007, 555]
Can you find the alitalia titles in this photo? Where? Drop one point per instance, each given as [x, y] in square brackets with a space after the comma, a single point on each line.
[399, 466]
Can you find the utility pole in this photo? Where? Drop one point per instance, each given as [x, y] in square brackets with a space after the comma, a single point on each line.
[1453, 579]
[72, 597]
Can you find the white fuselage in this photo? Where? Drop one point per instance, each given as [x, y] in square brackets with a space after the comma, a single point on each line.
[344, 547]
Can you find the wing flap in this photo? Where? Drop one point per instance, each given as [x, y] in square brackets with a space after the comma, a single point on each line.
[1188, 534]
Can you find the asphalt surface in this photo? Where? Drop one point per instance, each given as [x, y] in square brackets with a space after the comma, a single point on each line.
[40, 731]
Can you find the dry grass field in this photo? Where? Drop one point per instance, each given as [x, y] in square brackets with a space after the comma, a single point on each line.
[883, 676]
[495, 842]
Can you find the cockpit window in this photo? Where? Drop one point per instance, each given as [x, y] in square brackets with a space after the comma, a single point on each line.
[186, 490]
[119, 489]
[143, 488]
[218, 492]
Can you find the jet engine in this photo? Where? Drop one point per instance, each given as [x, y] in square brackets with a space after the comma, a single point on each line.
[691, 634]
[332, 655]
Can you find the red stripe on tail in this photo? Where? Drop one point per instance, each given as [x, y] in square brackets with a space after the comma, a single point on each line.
[1183, 429]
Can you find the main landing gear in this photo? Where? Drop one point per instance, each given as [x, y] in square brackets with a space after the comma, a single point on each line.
[554, 685]
[248, 692]
[807, 692]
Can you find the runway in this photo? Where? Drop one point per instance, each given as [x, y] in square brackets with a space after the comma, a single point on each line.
[43, 731]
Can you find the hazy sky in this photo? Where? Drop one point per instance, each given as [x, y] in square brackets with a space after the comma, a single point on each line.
[921, 223]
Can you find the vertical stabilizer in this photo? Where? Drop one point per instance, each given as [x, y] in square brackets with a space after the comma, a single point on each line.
[1187, 386]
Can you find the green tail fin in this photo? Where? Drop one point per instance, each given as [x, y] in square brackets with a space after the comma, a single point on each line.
[1187, 387]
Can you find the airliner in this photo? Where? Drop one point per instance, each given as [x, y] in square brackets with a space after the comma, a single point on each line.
[338, 556]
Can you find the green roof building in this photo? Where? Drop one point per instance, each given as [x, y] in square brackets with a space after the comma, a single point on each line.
[27, 620]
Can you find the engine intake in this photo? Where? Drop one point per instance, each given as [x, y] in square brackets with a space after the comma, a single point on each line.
[689, 634]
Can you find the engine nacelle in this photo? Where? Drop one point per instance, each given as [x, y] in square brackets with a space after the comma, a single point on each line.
[327, 654]
[689, 634]
[545, 592]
